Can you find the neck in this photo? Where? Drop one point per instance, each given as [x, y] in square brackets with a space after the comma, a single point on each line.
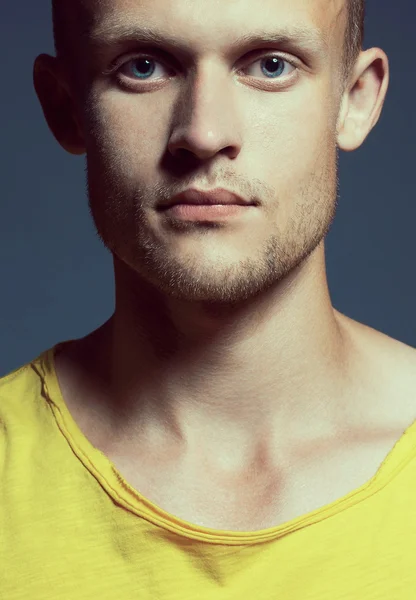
[193, 372]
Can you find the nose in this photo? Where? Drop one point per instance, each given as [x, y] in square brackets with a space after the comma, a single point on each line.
[206, 122]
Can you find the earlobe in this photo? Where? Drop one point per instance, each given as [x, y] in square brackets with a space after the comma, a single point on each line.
[363, 100]
[57, 104]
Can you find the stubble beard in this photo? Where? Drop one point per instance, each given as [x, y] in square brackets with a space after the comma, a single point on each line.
[123, 228]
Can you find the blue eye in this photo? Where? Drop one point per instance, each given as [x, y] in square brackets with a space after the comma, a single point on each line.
[274, 64]
[142, 67]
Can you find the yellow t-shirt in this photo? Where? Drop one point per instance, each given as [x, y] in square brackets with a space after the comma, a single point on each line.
[71, 528]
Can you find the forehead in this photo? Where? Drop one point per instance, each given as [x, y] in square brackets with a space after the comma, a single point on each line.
[204, 17]
[197, 26]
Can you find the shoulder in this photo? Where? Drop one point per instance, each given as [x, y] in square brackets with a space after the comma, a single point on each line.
[384, 351]
[386, 371]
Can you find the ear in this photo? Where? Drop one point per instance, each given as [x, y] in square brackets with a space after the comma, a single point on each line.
[58, 106]
[363, 99]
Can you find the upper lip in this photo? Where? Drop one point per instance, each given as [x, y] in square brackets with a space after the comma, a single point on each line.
[217, 196]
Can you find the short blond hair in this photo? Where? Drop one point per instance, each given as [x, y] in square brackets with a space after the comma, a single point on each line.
[354, 35]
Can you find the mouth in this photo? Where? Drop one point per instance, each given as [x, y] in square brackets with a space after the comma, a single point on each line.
[207, 198]
[206, 212]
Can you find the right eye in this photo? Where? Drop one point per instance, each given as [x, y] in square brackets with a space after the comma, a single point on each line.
[142, 67]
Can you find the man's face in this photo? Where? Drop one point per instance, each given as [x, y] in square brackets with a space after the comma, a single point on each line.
[259, 120]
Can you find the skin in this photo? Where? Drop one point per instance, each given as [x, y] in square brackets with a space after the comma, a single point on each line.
[224, 341]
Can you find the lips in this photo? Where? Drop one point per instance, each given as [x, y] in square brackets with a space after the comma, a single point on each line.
[218, 196]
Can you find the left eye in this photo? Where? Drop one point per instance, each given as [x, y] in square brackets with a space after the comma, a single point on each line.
[275, 65]
[143, 67]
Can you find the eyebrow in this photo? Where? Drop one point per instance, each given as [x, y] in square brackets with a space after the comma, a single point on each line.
[295, 37]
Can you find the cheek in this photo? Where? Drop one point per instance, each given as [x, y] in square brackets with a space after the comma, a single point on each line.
[123, 138]
[291, 124]
[297, 144]
[113, 116]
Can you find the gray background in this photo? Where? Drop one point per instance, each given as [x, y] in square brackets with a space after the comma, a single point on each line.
[56, 278]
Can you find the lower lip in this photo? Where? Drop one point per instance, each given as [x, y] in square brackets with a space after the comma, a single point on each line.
[203, 212]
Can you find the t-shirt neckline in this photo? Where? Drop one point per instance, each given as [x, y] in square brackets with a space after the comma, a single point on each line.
[101, 467]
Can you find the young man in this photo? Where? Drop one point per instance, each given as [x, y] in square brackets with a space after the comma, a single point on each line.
[227, 433]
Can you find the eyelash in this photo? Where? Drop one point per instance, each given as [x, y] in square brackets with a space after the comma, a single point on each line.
[116, 66]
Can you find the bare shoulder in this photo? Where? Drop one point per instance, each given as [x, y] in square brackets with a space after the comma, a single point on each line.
[387, 368]
[383, 348]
